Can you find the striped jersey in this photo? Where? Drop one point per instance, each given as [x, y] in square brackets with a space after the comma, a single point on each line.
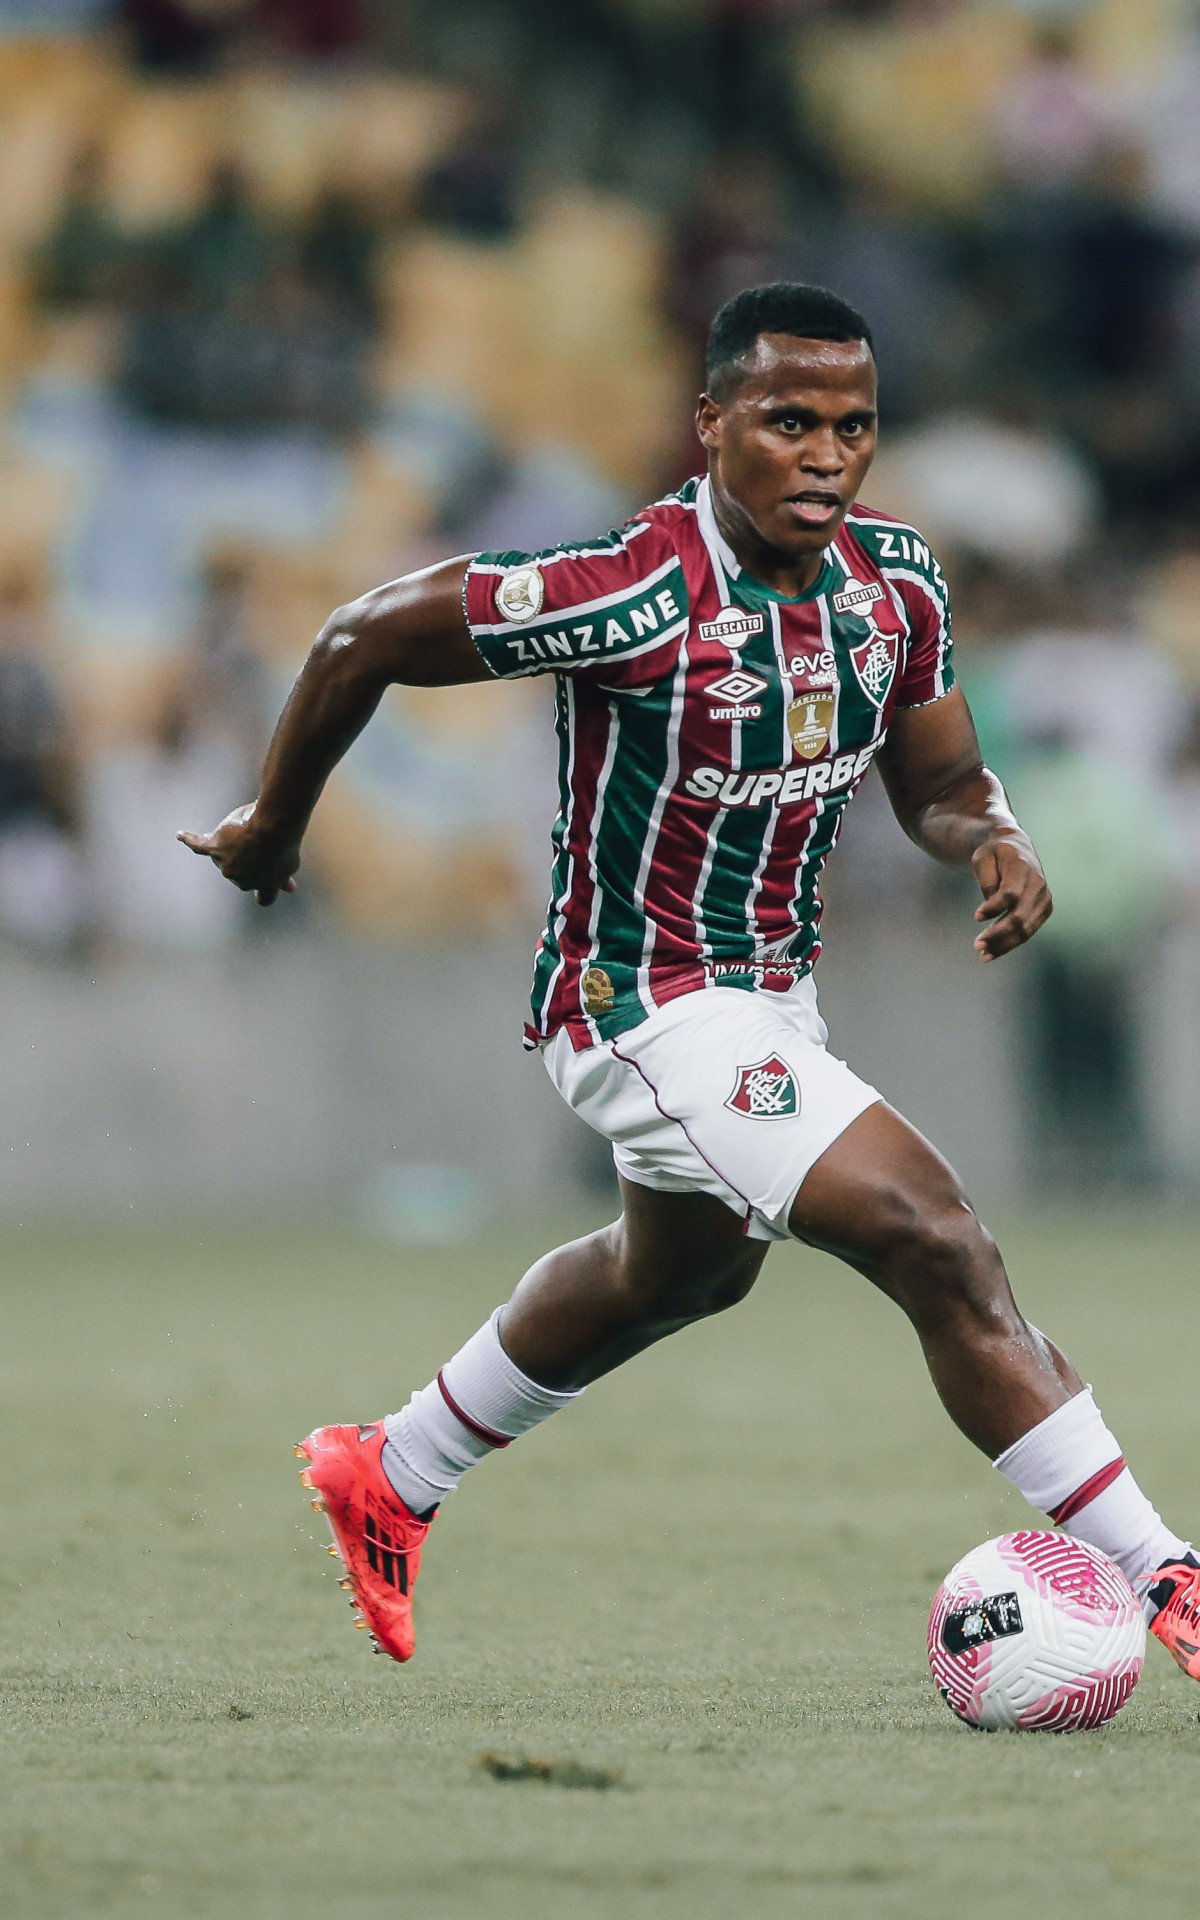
[711, 733]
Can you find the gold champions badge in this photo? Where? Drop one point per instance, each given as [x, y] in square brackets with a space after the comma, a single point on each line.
[597, 991]
[810, 721]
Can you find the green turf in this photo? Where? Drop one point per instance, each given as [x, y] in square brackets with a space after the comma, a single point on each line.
[712, 1574]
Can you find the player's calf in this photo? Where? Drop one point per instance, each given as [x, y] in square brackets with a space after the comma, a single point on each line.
[883, 1200]
[671, 1259]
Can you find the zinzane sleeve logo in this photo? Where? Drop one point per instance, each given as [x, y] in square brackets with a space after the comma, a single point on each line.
[559, 613]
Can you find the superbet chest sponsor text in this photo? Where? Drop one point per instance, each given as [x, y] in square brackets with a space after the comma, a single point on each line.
[784, 787]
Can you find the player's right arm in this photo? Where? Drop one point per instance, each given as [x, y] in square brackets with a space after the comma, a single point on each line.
[412, 632]
[613, 609]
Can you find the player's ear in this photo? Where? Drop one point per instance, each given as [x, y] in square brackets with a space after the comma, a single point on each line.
[709, 422]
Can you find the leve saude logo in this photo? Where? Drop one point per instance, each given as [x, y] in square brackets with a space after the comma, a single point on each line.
[766, 1091]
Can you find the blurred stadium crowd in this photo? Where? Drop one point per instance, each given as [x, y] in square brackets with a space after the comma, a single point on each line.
[298, 294]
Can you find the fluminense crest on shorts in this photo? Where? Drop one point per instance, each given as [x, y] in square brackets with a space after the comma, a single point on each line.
[874, 663]
[766, 1091]
[521, 593]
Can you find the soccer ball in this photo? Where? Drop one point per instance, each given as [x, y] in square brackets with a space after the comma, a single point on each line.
[1036, 1630]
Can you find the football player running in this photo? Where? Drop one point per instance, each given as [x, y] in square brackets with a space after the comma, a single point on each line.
[727, 666]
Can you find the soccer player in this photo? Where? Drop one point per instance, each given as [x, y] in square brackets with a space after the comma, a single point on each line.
[727, 667]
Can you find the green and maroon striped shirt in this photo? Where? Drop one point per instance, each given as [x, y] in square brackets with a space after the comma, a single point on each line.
[711, 733]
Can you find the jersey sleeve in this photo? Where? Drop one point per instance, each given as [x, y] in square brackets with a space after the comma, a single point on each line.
[929, 662]
[910, 570]
[614, 609]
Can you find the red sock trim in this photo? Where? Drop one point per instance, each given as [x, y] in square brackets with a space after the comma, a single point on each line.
[1089, 1491]
[485, 1434]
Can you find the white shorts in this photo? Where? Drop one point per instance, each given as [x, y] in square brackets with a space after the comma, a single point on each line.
[721, 1091]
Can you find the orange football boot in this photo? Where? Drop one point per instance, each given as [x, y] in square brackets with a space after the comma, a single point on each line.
[1176, 1590]
[376, 1537]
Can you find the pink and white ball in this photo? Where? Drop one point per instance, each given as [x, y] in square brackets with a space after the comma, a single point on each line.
[1036, 1630]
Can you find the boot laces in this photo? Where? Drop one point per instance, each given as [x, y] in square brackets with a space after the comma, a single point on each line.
[1185, 1601]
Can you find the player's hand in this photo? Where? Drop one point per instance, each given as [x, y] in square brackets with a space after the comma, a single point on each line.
[256, 861]
[1016, 899]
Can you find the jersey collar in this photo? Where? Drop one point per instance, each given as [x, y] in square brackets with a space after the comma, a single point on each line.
[728, 569]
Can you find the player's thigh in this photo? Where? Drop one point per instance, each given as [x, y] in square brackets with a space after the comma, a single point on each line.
[884, 1200]
[689, 1249]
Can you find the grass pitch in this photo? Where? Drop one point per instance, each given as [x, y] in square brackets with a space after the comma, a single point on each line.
[708, 1581]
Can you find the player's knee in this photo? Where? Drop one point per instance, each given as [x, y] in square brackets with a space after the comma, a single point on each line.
[726, 1289]
[938, 1259]
[667, 1293]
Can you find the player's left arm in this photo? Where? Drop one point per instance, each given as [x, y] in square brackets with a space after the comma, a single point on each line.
[956, 810]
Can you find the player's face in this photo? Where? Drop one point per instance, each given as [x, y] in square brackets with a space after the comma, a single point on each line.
[790, 447]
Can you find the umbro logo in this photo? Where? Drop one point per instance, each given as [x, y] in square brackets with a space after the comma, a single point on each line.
[736, 686]
[736, 689]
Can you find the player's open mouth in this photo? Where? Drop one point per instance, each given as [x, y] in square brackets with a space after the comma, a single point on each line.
[815, 509]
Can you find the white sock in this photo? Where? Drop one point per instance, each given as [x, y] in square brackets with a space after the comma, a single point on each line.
[480, 1401]
[1071, 1467]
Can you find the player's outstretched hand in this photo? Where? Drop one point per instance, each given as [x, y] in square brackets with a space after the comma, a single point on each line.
[1016, 899]
[257, 862]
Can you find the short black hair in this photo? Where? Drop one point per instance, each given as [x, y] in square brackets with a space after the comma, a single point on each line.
[783, 306]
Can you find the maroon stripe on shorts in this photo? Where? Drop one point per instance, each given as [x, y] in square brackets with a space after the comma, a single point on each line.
[1089, 1491]
[485, 1434]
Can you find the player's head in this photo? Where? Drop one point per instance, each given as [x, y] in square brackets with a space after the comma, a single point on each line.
[788, 416]
[784, 307]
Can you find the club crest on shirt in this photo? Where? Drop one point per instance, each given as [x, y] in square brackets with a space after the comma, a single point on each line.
[766, 1091]
[521, 593]
[732, 626]
[810, 721]
[874, 662]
